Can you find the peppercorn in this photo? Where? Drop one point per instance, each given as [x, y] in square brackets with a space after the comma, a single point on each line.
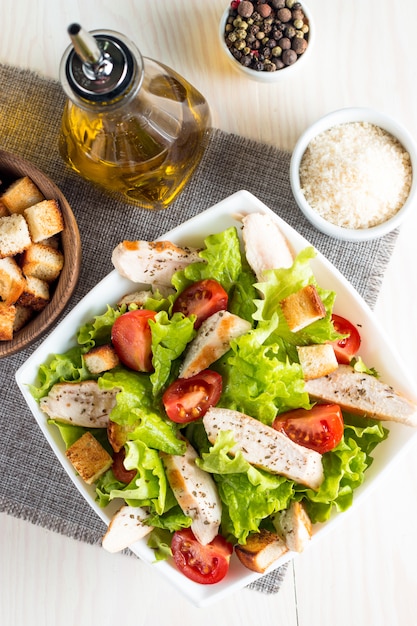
[299, 45]
[284, 43]
[278, 4]
[245, 8]
[264, 10]
[284, 15]
[297, 14]
[289, 57]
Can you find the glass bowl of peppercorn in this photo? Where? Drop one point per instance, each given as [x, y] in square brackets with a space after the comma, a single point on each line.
[267, 40]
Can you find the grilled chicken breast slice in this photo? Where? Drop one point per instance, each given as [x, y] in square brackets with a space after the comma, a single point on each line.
[212, 341]
[126, 527]
[81, 404]
[152, 262]
[266, 247]
[265, 447]
[294, 526]
[363, 394]
[196, 493]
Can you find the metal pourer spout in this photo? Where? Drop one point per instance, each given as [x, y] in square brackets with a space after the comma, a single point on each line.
[96, 64]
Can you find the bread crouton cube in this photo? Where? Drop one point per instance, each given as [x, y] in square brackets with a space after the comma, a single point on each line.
[42, 262]
[21, 194]
[14, 235]
[89, 458]
[12, 281]
[317, 360]
[302, 308]
[101, 359]
[7, 316]
[261, 550]
[23, 315]
[44, 220]
[35, 294]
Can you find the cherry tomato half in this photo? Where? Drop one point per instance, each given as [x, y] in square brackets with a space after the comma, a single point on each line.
[188, 399]
[319, 428]
[345, 349]
[203, 298]
[119, 470]
[132, 339]
[203, 564]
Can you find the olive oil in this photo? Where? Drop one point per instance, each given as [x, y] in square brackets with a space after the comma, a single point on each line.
[142, 143]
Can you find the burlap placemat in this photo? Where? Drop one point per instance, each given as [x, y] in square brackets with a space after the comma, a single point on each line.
[33, 486]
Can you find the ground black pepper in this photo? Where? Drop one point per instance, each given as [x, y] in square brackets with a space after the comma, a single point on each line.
[268, 35]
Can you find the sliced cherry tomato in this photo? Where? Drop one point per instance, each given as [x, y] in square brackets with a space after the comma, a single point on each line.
[132, 339]
[119, 470]
[207, 564]
[319, 428]
[188, 399]
[345, 349]
[203, 298]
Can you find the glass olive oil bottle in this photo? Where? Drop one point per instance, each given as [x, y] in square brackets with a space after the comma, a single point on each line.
[130, 125]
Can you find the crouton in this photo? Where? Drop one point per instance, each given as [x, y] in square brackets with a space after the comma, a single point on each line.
[317, 360]
[14, 235]
[294, 525]
[12, 281]
[44, 220]
[117, 434]
[302, 308]
[42, 262]
[89, 458]
[23, 315]
[101, 359]
[261, 550]
[7, 316]
[21, 194]
[35, 294]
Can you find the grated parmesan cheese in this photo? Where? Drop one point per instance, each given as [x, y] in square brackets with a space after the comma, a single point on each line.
[355, 175]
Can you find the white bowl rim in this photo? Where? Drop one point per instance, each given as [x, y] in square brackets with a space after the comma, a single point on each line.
[270, 77]
[341, 116]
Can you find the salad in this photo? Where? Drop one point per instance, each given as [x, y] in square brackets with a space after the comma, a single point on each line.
[157, 414]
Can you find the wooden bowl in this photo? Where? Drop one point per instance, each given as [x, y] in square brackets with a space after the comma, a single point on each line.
[13, 167]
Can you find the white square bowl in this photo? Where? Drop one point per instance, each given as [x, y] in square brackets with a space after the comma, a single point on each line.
[376, 351]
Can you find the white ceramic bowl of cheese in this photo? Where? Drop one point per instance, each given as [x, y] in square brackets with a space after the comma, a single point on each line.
[330, 226]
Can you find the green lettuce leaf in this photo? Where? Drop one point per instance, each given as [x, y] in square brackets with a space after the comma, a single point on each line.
[97, 332]
[169, 340]
[136, 414]
[259, 379]
[222, 261]
[150, 486]
[344, 468]
[278, 285]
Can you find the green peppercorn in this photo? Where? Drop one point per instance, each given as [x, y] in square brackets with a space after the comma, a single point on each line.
[298, 24]
[232, 37]
[240, 33]
[289, 3]
[277, 51]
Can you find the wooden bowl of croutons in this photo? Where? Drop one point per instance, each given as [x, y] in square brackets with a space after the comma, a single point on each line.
[40, 253]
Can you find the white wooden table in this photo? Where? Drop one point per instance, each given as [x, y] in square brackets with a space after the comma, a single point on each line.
[365, 571]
